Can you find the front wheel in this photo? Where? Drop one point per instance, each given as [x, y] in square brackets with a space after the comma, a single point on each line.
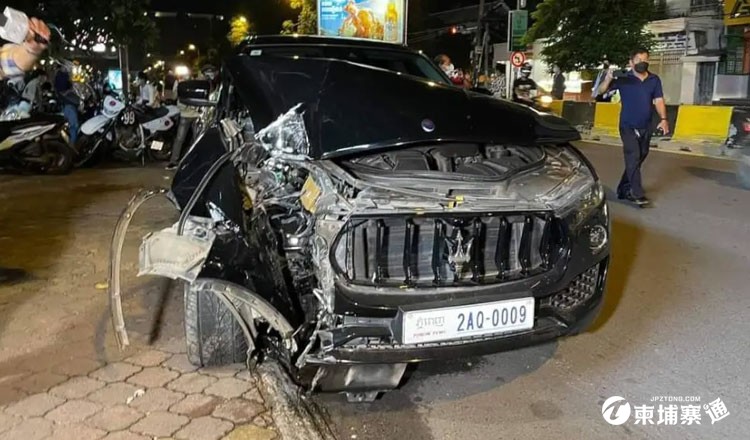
[212, 334]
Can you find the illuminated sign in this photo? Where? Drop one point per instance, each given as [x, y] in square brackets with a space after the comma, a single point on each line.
[383, 20]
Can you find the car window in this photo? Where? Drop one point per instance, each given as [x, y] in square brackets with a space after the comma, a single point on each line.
[397, 61]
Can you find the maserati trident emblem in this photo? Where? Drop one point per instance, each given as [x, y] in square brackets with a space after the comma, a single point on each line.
[459, 252]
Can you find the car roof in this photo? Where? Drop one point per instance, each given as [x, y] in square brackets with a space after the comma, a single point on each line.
[315, 40]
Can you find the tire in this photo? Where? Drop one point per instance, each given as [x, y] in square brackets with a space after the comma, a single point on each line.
[212, 334]
[59, 158]
[90, 150]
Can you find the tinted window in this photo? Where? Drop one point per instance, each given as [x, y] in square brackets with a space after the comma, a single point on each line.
[404, 62]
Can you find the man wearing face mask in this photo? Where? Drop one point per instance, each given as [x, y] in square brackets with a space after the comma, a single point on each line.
[640, 91]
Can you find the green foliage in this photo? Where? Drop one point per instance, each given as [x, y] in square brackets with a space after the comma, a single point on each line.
[580, 33]
[307, 22]
[239, 29]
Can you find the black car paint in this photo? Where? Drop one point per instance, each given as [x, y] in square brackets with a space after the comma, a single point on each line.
[396, 106]
[353, 109]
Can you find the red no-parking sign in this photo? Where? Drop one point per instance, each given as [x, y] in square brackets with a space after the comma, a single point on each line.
[517, 59]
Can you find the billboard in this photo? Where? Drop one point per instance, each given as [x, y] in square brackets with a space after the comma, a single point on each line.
[383, 20]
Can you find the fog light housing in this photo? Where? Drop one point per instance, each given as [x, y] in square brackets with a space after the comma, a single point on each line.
[598, 238]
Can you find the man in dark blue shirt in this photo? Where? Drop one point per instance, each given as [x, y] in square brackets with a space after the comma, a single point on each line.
[640, 91]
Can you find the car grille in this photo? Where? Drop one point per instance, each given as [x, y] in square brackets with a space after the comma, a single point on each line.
[422, 250]
[580, 290]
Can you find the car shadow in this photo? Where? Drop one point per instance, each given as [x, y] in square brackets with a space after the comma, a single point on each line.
[626, 239]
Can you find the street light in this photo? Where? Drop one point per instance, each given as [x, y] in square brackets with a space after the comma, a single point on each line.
[242, 18]
[191, 47]
[182, 52]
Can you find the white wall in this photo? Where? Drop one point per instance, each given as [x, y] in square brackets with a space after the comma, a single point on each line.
[731, 86]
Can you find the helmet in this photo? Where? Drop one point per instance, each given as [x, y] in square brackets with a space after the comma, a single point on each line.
[526, 69]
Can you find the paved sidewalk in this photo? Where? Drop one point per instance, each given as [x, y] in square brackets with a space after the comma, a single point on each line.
[61, 373]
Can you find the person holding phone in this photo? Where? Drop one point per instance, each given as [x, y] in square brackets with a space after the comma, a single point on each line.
[640, 91]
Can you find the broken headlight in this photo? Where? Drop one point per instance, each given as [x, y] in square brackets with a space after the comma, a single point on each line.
[287, 135]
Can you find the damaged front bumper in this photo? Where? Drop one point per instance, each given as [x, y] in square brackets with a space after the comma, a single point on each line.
[376, 340]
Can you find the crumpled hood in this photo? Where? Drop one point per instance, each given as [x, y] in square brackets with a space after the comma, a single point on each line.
[352, 108]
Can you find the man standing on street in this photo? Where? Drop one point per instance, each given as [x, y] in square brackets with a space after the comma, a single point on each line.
[640, 91]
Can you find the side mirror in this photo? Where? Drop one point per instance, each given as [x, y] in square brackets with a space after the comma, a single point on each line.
[195, 93]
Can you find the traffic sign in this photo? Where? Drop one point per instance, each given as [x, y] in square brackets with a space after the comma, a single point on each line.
[517, 59]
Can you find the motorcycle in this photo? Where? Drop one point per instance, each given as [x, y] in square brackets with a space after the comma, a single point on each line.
[128, 131]
[38, 143]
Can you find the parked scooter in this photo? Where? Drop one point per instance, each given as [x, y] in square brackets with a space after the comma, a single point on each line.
[38, 144]
[128, 131]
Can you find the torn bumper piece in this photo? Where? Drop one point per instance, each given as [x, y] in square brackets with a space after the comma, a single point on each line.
[176, 256]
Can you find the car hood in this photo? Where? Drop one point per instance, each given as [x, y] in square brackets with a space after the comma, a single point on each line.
[353, 108]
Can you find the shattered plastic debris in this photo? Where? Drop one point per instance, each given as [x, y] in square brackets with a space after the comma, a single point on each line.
[138, 393]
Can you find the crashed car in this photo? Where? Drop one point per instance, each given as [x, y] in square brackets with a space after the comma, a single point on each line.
[380, 218]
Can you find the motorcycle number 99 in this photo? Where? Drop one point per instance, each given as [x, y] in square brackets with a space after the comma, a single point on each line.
[128, 118]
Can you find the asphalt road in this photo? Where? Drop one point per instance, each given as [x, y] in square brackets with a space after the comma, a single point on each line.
[675, 323]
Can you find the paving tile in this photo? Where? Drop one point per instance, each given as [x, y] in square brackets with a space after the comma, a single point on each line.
[246, 375]
[196, 405]
[29, 429]
[76, 367]
[159, 424]
[77, 388]
[113, 394]
[8, 421]
[153, 377]
[262, 421]
[251, 432]
[76, 431]
[172, 345]
[115, 418]
[34, 406]
[126, 435]
[150, 358]
[73, 411]
[156, 399]
[10, 395]
[116, 372]
[39, 382]
[254, 395]
[238, 411]
[204, 428]
[191, 383]
[228, 388]
[224, 371]
[179, 363]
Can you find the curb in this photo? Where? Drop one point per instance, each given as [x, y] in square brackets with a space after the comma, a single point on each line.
[296, 417]
[710, 150]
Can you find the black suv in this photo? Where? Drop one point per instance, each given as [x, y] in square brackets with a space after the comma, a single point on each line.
[385, 218]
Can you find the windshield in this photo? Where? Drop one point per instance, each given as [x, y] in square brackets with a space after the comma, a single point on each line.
[405, 62]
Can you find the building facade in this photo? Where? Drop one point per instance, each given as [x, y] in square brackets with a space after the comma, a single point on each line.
[688, 48]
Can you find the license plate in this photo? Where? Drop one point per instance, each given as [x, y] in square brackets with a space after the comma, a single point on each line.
[458, 322]
[157, 145]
